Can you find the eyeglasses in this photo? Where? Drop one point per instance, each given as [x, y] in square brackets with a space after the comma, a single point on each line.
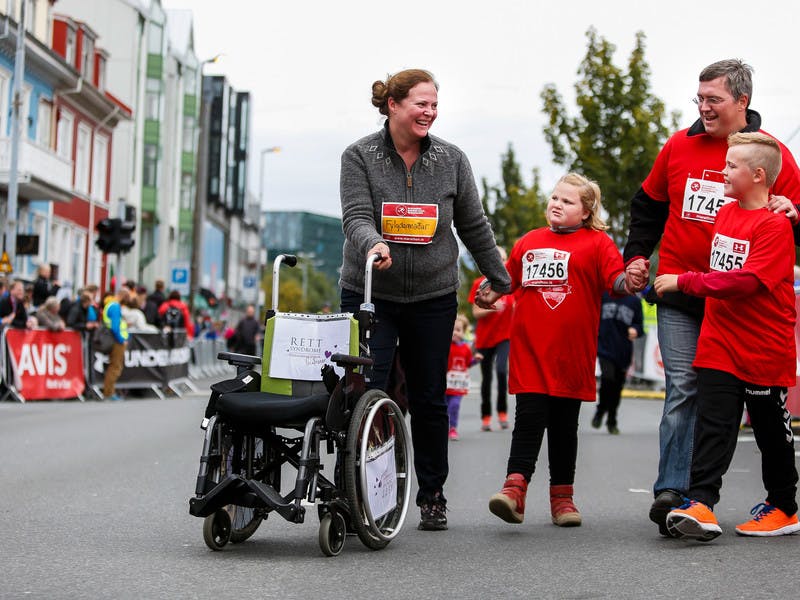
[711, 100]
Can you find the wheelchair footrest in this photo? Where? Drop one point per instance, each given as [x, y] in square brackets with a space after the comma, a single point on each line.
[235, 489]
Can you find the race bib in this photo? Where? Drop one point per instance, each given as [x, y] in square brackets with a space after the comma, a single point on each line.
[544, 267]
[702, 198]
[728, 253]
[408, 223]
[458, 380]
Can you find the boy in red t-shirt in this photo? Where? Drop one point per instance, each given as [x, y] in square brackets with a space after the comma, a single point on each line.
[746, 349]
[458, 363]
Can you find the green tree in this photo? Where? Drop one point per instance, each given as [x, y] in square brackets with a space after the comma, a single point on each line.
[619, 128]
[513, 207]
[302, 289]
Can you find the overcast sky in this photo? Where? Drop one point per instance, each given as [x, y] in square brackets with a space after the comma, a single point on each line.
[310, 65]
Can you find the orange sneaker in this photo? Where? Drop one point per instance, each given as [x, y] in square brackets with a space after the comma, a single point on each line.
[509, 503]
[486, 423]
[693, 521]
[502, 418]
[767, 521]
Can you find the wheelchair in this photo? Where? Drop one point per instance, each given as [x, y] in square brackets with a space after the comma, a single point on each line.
[257, 423]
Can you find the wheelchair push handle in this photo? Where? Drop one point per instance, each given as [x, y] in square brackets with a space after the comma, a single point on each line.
[290, 260]
[371, 260]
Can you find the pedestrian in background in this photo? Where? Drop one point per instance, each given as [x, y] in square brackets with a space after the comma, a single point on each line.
[561, 271]
[82, 314]
[621, 322]
[158, 297]
[112, 319]
[43, 287]
[174, 314]
[400, 180]
[676, 206]
[47, 316]
[14, 309]
[244, 336]
[492, 333]
[459, 360]
[746, 350]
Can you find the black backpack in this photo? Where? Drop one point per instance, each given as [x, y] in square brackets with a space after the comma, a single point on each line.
[173, 318]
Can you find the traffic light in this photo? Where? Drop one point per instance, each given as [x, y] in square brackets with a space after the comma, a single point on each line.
[126, 241]
[115, 236]
[107, 230]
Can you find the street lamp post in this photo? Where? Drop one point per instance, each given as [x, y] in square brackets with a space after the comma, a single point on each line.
[201, 189]
[264, 254]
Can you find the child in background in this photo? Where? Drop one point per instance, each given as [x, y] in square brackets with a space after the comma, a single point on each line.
[562, 270]
[458, 364]
[492, 332]
[746, 349]
[621, 322]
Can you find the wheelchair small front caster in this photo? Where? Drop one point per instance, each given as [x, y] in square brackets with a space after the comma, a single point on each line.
[332, 532]
[217, 529]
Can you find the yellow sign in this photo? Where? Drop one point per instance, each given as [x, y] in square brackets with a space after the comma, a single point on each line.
[5, 264]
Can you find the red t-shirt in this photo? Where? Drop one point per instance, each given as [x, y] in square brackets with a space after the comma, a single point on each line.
[458, 363]
[494, 327]
[752, 337]
[557, 311]
[688, 174]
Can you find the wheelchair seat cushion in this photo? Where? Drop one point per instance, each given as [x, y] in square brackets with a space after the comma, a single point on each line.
[265, 409]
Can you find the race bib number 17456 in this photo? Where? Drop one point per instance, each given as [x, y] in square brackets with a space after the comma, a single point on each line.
[545, 267]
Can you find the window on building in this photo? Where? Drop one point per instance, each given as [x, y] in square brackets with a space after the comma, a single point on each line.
[150, 175]
[5, 86]
[64, 133]
[30, 15]
[82, 155]
[87, 57]
[187, 181]
[44, 123]
[69, 51]
[152, 101]
[188, 133]
[101, 73]
[155, 38]
[99, 167]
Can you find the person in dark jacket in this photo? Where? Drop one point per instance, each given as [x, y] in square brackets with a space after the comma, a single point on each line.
[43, 287]
[403, 192]
[244, 335]
[13, 312]
[621, 322]
[157, 296]
[82, 314]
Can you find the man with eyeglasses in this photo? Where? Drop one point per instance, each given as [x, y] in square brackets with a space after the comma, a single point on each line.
[677, 205]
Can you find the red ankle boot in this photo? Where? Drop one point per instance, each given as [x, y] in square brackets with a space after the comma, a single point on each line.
[562, 508]
[509, 503]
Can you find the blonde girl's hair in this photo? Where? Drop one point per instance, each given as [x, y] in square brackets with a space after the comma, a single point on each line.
[462, 318]
[589, 193]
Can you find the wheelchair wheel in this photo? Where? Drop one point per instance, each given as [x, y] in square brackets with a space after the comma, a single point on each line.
[332, 532]
[217, 529]
[243, 520]
[377, 469]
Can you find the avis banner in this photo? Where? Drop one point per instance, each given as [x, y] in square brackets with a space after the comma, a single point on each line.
[46, 365]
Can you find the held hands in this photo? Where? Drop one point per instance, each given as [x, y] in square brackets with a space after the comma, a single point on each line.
[637, 274]
[781, 204]
[486, 297]
[381, 248]
[666, 283]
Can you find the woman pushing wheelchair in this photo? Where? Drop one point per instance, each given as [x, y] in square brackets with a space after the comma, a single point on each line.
[402, 190]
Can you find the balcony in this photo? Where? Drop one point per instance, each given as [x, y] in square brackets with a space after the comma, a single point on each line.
[41, 175]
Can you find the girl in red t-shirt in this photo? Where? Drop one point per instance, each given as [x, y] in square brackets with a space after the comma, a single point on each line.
[561, 272]
[459, 361]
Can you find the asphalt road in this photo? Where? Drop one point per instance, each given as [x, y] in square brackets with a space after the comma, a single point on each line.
[94, 504]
